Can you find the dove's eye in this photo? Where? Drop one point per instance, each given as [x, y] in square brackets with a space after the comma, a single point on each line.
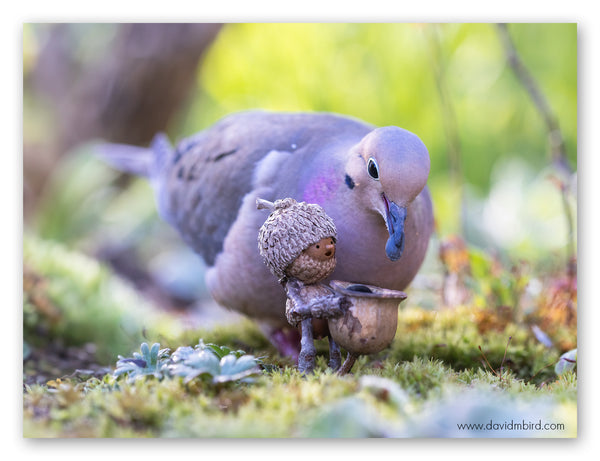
[373, 169]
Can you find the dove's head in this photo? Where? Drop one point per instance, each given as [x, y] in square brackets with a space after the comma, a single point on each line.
[388, 168]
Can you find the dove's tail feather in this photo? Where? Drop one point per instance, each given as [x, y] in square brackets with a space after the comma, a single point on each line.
[128, 159]
[139, 161]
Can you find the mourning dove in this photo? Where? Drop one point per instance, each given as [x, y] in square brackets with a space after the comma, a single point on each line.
[370, 181]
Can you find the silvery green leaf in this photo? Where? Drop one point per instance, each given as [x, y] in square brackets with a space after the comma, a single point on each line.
[164, 353]
[145, 350]
[195, 363]
[149, 362]
[220, 351]
[154, 352]
[243, 376]
[204, 359]
[231, 365]
[233, 368]
[227, 365]
[182, 353]
[188, 373]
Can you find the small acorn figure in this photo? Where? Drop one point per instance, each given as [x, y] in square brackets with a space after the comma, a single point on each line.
[297, 243]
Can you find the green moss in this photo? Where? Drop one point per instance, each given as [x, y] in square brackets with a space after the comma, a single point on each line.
[454, 337]
[73, 297]
[283, 403]
[432, 377]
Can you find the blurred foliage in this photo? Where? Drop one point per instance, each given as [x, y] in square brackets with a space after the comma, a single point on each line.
[384, 74]
[87, 207]
[70, 296]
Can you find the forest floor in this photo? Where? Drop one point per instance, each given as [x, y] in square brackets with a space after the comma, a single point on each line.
[487, 365]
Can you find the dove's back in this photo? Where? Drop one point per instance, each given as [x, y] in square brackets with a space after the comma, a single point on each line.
[201, 187]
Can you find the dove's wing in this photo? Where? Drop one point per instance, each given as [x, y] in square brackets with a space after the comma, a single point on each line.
[201, 188]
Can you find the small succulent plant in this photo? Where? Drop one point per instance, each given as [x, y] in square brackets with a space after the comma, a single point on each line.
[220, 351]
[152, 361]
[218, 363]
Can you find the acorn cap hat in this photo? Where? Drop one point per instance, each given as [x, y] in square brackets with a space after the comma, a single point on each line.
[290, 229]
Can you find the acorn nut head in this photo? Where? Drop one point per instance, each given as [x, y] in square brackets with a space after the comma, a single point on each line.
[315, 263]
[288, 240]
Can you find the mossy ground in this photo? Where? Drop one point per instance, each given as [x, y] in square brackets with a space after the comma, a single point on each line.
[446, 367]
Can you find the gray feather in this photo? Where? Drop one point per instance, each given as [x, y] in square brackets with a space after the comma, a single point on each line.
[211, 172]
[138, 161]
[128, 159]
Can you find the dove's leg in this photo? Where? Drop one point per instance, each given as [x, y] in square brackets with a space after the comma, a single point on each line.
[306, 360]
[335, 356]
[286, 341]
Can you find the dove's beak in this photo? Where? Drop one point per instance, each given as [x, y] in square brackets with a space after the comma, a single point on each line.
[395, 217]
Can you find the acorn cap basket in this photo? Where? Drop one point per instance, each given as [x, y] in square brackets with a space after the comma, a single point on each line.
[370, 323]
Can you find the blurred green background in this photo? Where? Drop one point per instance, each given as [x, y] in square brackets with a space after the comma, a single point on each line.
[451, 84]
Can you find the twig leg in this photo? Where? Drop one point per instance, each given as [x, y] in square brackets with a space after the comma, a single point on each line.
[335, 356]
[348, 363]
[306, 359]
